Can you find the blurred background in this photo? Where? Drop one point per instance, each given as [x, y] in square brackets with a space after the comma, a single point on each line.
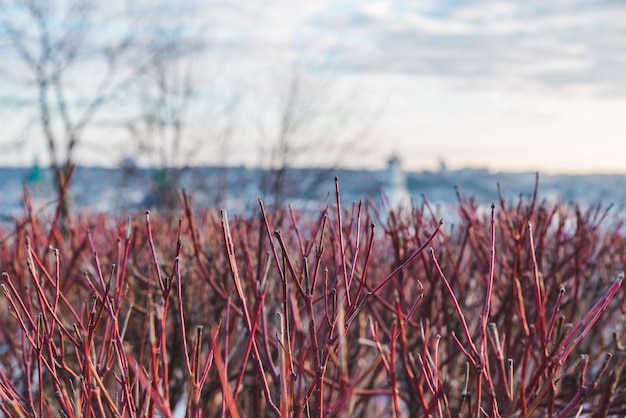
[273, 98]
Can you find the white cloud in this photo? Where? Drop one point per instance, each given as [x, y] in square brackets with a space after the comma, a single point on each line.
[571, 45]
[540, 43]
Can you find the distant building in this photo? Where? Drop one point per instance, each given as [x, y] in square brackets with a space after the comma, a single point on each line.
[443, 167]
[36, 174]
[395, 184]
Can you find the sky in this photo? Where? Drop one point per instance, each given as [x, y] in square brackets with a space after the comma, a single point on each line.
[530, 85]
[506, 85]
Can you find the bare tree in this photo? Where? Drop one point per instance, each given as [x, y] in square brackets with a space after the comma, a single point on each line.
[164, 131]
[223, 138]
[314, 124]
[165, 92]
[72, 66]
[49, 40]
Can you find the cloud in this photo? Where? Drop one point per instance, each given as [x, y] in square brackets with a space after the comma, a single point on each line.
[559, 46]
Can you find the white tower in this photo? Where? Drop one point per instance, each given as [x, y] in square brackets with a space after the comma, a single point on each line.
[395, 184]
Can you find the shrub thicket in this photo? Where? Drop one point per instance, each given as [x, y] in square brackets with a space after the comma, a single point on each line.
[511, 312]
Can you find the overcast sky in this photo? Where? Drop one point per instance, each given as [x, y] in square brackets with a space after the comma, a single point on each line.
[508, 85]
